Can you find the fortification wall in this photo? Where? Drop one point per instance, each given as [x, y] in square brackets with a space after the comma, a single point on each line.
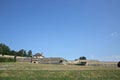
[48, 60]
[102, 64]
[23, 59]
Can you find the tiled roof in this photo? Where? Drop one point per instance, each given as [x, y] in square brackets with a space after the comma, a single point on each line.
[38, 54]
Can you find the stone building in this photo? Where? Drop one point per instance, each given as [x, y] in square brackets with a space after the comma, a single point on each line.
[48, 60]
[38, 55]
[39, 58]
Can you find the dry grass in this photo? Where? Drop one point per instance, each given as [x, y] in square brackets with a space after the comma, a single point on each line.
[59, 75]
[32, 66]
[30, 71]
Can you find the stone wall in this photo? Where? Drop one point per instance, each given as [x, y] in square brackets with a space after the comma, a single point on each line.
[101, 64]
[93, 63]
[48, 60]
[23, 59]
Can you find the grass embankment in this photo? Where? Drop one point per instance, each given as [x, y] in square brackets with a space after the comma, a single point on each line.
[32, 66]
[28, 71]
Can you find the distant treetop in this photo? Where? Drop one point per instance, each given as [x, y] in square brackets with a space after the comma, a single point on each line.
[82, 58]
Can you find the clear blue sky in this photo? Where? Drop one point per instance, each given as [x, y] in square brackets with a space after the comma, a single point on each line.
[62, 28]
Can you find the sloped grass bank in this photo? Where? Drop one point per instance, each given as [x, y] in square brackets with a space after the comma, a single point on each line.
[32, 66]
[59, 74]
[29, 71]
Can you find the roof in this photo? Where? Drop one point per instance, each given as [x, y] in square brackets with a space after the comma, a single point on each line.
[38, 54]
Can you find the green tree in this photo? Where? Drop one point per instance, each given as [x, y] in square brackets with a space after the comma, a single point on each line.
[82, 58]
[1, 49]
[4, 49]
[30, 53]
[21, 52]
[25, 54]
[13, 53]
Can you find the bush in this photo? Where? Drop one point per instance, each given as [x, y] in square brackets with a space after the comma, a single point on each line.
[118, 64]
[82, 58]
[6, 59]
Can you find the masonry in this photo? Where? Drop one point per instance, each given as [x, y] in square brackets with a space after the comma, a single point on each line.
[57, 60]
[48, 60]
[101, 63]
[23, 59]
[39, 58]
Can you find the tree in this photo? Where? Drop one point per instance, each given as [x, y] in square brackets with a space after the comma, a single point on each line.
[1, 49]
[13, 53]
[24, 54]
[21, 52]
[4, 49]
[30, 53]
[82, 58]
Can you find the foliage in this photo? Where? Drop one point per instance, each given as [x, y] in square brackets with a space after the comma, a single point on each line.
[4, 49]
[82, 58]
[30, 53]
[21, 52]
[6, 59]
[12, 52]
[118, 64]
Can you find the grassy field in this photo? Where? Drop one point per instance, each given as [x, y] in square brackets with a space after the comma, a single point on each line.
[29, 71]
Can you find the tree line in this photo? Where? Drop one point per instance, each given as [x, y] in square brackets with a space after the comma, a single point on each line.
[5, 50]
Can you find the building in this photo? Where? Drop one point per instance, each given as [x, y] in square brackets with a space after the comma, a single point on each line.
[94, 63]
[38, 55]
[48, 60]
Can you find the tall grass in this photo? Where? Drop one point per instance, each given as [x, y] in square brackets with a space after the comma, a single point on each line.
[59, 75]
[32, 66]
[29, 71]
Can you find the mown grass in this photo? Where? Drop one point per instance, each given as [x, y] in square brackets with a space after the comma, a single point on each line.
[28, 71]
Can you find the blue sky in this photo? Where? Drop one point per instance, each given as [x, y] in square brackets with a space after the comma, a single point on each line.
[62, 28]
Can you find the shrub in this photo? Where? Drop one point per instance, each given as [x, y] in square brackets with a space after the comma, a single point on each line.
[6, 59]
[118, 64]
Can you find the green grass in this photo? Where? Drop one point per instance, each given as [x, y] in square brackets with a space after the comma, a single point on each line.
[28, 71]
[59, 75]
[34, 66]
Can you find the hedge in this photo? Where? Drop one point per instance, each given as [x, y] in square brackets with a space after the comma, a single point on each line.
[118, 64]
[6, 59]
